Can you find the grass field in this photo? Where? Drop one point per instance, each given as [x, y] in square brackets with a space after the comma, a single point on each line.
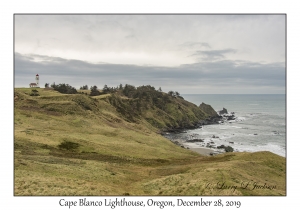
[80, 145]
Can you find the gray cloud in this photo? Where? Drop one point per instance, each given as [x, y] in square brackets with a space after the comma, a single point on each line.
[192, 53]
[198, 75]
[213, 54]
[193, 45]
[123, 38]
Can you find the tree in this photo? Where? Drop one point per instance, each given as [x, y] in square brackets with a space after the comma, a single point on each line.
[84, 87]
[105, 89]
[94, 91]
[53, 85]
[129, 90]
[46, 85]
[159, 89]
[171, 93]
[64, 88]
[94, 88]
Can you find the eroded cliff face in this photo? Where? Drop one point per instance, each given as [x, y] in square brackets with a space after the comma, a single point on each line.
[208, 109]
[162, 111]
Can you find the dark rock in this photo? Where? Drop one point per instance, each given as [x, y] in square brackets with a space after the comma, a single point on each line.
[228, 149]
[231, 117]
[211, 154]
[231, 142]
[210, 120]
[215, 137]
[195, 140]
[224, 111]
[221, 147]
[177, 143]
[255, 134]
[176, 130]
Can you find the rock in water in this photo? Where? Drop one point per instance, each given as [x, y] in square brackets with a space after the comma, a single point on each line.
[195, 140]
[221, 147]
[224, 111]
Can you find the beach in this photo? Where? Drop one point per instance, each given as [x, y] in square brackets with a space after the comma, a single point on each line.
[202, 151]
[190, 146]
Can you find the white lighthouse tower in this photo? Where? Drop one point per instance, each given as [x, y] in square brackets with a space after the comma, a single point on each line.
[37, 78]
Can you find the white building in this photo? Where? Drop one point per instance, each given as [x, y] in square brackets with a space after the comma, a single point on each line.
[36, 84]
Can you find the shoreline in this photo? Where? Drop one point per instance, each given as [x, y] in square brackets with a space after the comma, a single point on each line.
[202, 151]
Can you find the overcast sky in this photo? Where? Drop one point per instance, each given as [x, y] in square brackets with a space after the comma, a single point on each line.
[185, 53]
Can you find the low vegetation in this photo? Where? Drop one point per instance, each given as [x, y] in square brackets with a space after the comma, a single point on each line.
[64, 88]
[109, 144]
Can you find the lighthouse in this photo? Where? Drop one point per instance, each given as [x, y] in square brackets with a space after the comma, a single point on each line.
[37, 78]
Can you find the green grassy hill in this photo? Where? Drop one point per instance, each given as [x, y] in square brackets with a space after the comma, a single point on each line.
[110, 145]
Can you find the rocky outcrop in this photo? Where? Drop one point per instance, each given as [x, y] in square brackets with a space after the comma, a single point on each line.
[229, 117]
[211, 120]
[195, 140]
[226, 148]
[208, 109]
[223, 111]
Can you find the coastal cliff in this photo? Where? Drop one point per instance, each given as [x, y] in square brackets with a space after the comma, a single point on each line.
[161, 110]
[110, 144]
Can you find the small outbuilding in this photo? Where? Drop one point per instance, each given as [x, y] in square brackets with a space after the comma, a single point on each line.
[32, 85]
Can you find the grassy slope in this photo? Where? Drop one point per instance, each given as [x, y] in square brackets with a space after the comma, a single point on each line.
[113, 156]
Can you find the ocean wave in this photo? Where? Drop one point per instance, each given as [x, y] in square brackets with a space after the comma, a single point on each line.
[236, 127]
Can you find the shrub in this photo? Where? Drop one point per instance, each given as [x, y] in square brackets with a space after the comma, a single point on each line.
[64, 88]
[34, 93]
[84, 87]
[68, 145]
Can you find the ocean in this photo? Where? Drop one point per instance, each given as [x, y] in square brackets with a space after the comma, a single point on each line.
[260, 123]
